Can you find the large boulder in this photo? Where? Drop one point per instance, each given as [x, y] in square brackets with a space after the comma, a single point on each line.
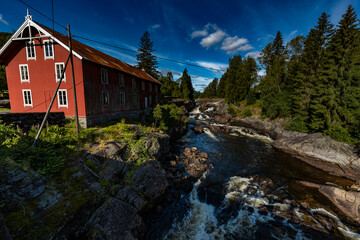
[115, 219]
[198, 129]
[158, 145]
[150, 180]
[223, 118]
[323, 152]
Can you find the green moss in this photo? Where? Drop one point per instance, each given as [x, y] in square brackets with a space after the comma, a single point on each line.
[91, 165]
[104, 183]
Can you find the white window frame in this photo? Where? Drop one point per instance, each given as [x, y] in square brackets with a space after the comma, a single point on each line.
[105, 75]
[133, 82]
[121, 80]
[56, 75]
[143, 85]
[21, 76]
[122, 98]
[27, 52]
[108, 97]
[67, 101]
[150, 86]
[23, 93]
[52, 48]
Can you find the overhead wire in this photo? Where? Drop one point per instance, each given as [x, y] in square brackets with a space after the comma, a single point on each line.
[121, 48]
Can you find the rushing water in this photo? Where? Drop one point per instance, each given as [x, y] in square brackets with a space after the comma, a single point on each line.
[220, 205]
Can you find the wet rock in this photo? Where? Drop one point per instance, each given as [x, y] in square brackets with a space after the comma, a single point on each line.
[214, 128]
[150, 179]
[199, 123]
[194, 149]
[115, 219]
[222, 119]
[225, 129]
[198, 129]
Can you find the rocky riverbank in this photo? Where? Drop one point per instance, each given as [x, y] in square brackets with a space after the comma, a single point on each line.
[335, 157]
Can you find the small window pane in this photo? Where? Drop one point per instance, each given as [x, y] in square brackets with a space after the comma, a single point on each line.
[59, 68]
[62, 94]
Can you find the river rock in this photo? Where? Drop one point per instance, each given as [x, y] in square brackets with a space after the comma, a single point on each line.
[198, 129]
[222, 119]
[323, 152]
[214, 128]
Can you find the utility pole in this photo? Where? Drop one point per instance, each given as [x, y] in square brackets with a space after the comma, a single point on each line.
[51, 103]
[73, 81]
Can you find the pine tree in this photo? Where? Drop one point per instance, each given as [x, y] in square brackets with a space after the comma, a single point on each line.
[186, 88]
[146, 60]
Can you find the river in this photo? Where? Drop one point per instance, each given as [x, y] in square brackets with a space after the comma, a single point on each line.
[251, 191]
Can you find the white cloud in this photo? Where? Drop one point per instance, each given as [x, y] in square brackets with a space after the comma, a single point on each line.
[212, 39]
[199, 33]
[154, 27]
[267, 37]
[290, 36]
[254, 55]
[213, 65]
[3, 20]
[235, 44]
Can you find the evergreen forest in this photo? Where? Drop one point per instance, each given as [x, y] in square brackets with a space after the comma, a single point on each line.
[312, 80]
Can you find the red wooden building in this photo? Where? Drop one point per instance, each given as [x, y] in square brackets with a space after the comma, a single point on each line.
[106, 87]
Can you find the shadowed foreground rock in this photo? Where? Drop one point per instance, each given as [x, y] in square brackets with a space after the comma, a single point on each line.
[347, 201]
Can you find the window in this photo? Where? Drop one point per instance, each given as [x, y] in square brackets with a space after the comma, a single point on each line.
[30, 50]
[133, 83]
[150, 87]
[27, 98]
[48, 49]
[156, 89]
[59, 68]
[105, 96]
[143, 85]
[135, 100]
[104, 76]
[24, 73]
[62, 98]
[122, 98]
[150, 100]
[121, 80]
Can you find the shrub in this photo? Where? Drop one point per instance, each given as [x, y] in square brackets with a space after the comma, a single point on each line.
[250, 98]
[297, 124]
[246, 113]
[231, 110]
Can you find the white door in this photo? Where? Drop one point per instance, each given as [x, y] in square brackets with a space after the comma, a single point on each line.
[146, 102]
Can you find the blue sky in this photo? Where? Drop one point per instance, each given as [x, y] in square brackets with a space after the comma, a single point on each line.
[205, 33]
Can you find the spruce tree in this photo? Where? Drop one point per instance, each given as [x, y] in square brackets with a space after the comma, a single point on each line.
[146, 60]
[341, 77]
[187, 90]
[211, 90]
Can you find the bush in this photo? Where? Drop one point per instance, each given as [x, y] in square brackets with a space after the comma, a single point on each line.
[297, 124]
[168, 116]
[246, 113]
[231, 110]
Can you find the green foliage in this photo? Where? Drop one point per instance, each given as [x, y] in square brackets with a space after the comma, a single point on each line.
[276, 105]
[231, 110]
[250, 98]
[186, 87]
[169, 116]
[210, 91]
[169, 87]
[246, 113]
[297, 124]
[146, 59]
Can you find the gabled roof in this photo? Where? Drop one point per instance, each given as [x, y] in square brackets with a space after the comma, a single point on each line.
[82, 51]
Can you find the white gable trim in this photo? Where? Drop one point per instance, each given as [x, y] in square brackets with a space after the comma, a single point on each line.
[30, 23]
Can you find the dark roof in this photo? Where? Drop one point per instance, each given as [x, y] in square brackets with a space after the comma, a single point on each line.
[101, 58]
